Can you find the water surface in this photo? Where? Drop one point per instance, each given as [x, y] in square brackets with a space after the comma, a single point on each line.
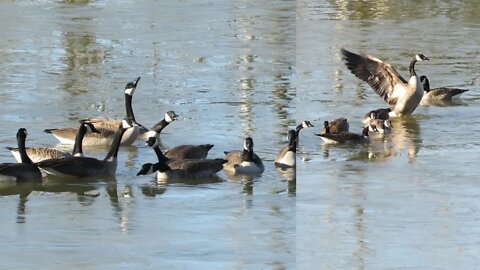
[226, 68]
[407, 200]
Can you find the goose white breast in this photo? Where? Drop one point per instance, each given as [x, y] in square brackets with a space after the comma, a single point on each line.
[404, 96]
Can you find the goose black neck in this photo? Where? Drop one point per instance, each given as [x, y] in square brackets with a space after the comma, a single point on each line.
[327, 129]
[128, 106]
[299, 127]
[292, 145]
[116, 143]
[426, 85]
[158, 127]
[77, 147]
[247, 155]
[23, 152]
[365, 132]
[161, 157]
[412, 68]
[161, 167]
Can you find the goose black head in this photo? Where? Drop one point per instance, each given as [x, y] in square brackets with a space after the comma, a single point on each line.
[89, 127]
[170, 116]
[421, 57]
[151, 141]
[365, 131]
[22, 133]
[131, 86]
[147, 168]
[326, 125]
[248, 144]
[306, 124]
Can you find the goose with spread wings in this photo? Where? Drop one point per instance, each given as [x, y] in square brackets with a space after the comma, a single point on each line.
[404, 96]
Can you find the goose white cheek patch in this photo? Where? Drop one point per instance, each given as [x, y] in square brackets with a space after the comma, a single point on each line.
[130, 91]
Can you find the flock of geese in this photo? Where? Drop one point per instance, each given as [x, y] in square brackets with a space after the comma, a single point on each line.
[183, 161]
[190, 161]
[402, 95]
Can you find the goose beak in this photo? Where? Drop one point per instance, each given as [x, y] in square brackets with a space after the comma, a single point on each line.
[136, 82]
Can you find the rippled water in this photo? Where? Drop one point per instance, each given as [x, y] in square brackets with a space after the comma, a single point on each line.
[408, 200]
[227, 68]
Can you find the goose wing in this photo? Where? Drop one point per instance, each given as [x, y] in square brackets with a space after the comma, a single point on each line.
[282, 153]
[189, 151]
[198, 166]
[111, 124]
[75, 166]
[342, 137]
[445, 93]
[381, 76]
[22, 171]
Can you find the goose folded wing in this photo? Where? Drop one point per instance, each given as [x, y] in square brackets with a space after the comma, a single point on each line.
[444, 92]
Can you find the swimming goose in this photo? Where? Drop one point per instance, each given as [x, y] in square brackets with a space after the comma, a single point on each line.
[38, 154]
[24, 171]
[343, 137]
[189, 170]
[336, 126]
[184, 151]
[403, 95]
[382, 114]
[189, 151]
[153, 134]
[243, 162]
[106, 127]
[304, 124]
[286, 156]
[438, 94]
[380, 126]
[185, 168]
[87, 166]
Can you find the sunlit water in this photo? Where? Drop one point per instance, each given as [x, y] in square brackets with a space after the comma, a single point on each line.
[227, 68]
[408, 200]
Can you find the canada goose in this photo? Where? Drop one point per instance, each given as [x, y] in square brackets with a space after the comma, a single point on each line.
[188, 151]
[106, 127]
[243, 162]
[189, 170]
[87, 166]
[337, 126]
[153, 134]
[403, 95]
[24, 171]
[185, 168]
[380, 126]
[382, 114]
[38, 154]
[343, 137]
[286, 156]
[438, 94]
[183, 151]
[304, 124]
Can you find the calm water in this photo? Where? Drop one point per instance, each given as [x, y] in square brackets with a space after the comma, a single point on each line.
[409, 200]
[227, 68]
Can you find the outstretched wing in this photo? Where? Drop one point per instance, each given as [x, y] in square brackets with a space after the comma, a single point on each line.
[382, 77]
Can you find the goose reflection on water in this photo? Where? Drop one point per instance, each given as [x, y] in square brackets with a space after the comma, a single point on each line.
[405, 135]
